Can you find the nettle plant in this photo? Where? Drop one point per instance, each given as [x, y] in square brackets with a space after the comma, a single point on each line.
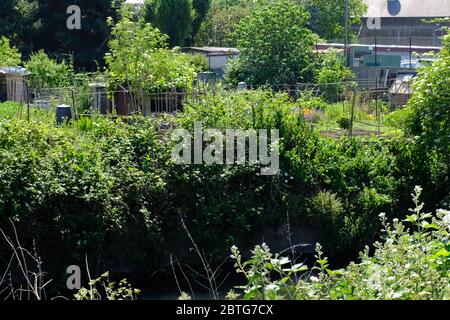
[412, 263]
[103, 289]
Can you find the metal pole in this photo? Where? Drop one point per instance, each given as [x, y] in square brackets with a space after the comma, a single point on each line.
[410, 52]
[376, 106]
[27, 87]
[352, 113]
[376, 51]
[346, 14]
[73, 103]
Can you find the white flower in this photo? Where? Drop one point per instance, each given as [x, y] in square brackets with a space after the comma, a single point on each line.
[446, 219]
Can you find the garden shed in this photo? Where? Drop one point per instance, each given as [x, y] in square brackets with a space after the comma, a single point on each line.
[13, 84]
[217, 57]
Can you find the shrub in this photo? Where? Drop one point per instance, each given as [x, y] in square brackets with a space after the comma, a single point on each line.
[326, 208]
[331, 74]
[275, 45]
[429, 114]
[172, 17]
[95, 183]
[48, 73]
[344, 123]
[199, 61]
[219, 25]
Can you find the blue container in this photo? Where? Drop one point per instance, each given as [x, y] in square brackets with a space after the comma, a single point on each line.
[63, 113]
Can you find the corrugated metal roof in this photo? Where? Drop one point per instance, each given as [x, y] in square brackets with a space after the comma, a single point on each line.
[19, 71]
[408, 8]
[134, 1]
[402, 85]
[212, 50]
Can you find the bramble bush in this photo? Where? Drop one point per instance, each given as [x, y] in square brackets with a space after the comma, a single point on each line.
[73, 190]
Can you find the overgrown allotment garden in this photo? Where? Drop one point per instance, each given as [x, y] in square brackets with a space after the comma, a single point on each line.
[100, 188]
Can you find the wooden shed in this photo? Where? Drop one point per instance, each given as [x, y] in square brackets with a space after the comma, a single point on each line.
[13, 84]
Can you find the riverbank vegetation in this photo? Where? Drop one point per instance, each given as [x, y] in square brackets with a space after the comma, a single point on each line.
[104, 190]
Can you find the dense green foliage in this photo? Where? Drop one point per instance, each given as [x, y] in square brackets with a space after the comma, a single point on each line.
[139, 59]
[41, 24]
[48, 73]
[16, 21]
[428, 114]
[331, 74]
[72, 188]
[179, 19]
[101, 182]
[88, 44]
[31, 24]
[201, 8]
[327, 17]
[172, 17]
[97, 183]
[109, 187]
[220, 24]
[408, 265]
[275, 46]
[9, 56]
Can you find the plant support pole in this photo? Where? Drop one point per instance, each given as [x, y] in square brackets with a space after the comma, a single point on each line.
[346, 14]
[352, 113]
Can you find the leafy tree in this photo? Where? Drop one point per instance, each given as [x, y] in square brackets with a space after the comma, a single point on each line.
[8, 17]
[201, 8]
[14, 15]
[47, 72]
[172, 17]
[88, 45]
[17, 21]
[140, 59]
[219, 25]
[275, 46]
[9, 56]
[332, 71]
[327, 16]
